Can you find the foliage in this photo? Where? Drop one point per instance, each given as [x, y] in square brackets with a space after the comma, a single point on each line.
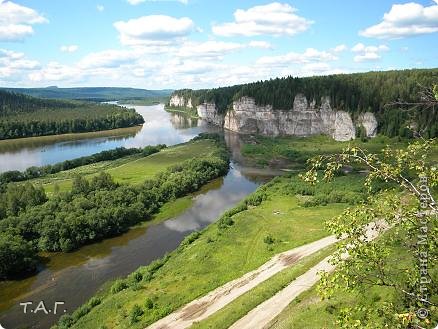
[411, 217]
[17, 256]
[25, 116]
[135, 313]
[355, 93]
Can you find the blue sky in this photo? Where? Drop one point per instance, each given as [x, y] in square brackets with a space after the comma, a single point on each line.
[197, 43]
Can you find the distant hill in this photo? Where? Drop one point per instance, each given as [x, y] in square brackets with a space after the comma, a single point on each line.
[92, 93]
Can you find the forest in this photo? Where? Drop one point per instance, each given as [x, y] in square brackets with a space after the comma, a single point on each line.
[355, 93]
[26, 116]
[98, 94]
[92, 210]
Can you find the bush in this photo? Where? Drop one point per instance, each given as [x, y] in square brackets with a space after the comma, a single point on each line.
[66, 321]
[192, 237]
[268, 239]
[118, 286]
[135, 314]
[17, 256]
[148, 303]
[225, 221]
[256, 198]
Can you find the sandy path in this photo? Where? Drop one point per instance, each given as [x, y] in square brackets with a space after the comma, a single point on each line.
[203, 307]
[260, 316]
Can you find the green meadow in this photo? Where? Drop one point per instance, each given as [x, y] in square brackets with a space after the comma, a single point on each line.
[132, 169]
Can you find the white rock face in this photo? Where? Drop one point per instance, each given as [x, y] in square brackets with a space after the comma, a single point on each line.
[344, 127]
[369, 122]
[180, 101]
[209, 113]
[303, 120]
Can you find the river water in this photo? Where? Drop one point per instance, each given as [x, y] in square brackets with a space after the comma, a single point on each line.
[74, 277]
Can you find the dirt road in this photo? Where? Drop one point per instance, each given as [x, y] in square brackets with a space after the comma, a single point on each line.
[260, 316]
[205, 306]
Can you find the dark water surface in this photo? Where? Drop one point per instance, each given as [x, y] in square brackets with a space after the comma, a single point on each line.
[74, 277]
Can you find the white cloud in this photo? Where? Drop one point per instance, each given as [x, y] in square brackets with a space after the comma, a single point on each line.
[208, 49]
[100, 8]
[69, 49]
[16, 21]
[271, 19]
[308, 56]
[368, 53]
[153, 30]
[404, 20]
[55, 71]
[136, 2]
[14, 65]
[260, 44]
[340, 48]
[109, 58]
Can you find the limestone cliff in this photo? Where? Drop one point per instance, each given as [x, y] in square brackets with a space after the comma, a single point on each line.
[209, 113]
[369, 122]
[302, 120]
[180, 101]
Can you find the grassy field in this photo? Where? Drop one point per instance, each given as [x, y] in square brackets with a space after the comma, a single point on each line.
[217, 255]
[131, 169]
[292, 152]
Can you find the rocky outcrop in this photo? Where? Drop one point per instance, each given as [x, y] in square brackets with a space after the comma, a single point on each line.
[180, 101]
[302, 120]
[305, 118]
[209, 113]
[369, 122]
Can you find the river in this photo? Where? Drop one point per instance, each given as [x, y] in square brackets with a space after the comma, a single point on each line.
[74, 277]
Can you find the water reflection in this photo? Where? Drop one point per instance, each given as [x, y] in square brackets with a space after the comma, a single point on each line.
[75, 283]
[76, 276]
[160, 127]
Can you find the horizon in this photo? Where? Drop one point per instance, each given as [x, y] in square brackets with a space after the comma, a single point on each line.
[197, 44]
[284, 77]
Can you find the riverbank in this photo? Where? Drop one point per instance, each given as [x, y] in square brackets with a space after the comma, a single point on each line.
[10, 145]
[272, 220]
[186, 111]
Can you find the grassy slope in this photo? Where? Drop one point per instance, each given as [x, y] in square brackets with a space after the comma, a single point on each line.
[310, 312]
[131, 169]
[225, 317]
[293, 151]
[217, 257]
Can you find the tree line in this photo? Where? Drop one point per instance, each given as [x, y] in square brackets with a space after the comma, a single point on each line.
[355, 93]
[35, 172]
[92, 210]
[26, 116]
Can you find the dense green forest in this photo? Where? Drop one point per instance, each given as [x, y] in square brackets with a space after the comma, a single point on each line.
[91, 210]
[355, 93]
[26, 116]
[92, 93]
